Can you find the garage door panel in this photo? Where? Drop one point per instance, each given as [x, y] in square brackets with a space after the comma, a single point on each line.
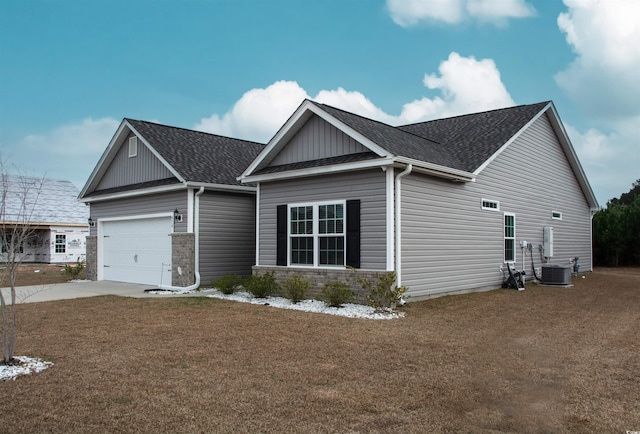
[138, 250]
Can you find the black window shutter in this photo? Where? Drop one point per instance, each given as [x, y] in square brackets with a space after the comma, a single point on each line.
[281, 235]
[353, 233]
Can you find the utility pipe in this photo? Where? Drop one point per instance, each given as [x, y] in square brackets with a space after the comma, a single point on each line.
[196, 231]
[401, 175]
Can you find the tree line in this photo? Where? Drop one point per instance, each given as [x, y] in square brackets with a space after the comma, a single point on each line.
[616, 230]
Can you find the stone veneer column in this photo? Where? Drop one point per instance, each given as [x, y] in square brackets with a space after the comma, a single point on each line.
[92, 257]
[183, 249]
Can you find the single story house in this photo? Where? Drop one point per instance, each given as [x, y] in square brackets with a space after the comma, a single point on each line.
[57, 221]
[167, 209]
[446, 204]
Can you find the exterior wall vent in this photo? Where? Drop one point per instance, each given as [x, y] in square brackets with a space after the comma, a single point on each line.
[556, 274]
[133, 146]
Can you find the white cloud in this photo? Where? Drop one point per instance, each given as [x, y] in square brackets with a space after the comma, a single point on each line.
[603, 81]
[465, 85]
[605, 35]
[68, 152]
[408, 13]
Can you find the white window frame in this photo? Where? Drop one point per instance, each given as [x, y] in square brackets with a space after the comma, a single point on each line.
[556, 215]
[505, 238]
[62, 245]
[315, 233]
[489, 208]
[133, 147]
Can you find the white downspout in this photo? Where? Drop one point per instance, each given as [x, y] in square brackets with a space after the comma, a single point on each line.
[401, 175]
[196, 231]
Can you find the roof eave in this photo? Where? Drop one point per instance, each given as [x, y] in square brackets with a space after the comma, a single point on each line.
[320, 170]
[437, 170]
[223, 187]
[133, 193]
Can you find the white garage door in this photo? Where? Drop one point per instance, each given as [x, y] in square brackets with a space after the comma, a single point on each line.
[137, 251]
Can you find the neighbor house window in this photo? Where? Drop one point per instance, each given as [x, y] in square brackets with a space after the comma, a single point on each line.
[317, 234]
[509, 237]
[8, 243]
[556, 215]
[61, 243]
[492, 205]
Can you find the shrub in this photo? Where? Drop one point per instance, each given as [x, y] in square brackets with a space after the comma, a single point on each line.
[262, 286]
[73, 271]
[228, 284]
[384, 295]
[295, 287]
[336, 293]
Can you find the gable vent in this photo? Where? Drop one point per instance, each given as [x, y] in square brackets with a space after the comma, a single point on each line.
[133, 147]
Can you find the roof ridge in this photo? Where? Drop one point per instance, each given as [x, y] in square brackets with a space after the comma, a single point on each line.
[541, 103]
[192, 131]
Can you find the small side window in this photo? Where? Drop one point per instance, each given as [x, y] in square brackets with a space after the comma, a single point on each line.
[492, 205]
[556, 215]
[133, 147]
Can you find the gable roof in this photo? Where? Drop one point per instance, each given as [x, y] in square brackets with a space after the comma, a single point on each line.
[48, 201]
[193, 157]
[456, 148]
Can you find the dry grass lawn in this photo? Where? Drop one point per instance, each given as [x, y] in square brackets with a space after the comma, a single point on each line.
[541, 360]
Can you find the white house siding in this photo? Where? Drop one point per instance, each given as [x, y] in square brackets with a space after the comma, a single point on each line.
[450, 244]
[125, 170]
[142, 205]
[317, 139]
[367, 186]
[227, 235]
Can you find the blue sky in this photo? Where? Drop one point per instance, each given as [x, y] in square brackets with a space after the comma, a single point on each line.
[71, 70]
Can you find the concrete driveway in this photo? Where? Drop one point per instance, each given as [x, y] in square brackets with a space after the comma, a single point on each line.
[78, 289]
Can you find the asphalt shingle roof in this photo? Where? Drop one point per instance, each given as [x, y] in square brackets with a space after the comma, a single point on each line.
[461, 142]
[197, 156]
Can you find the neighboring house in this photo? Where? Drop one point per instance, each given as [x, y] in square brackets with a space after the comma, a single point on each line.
[167, 209]
[446, 203]
[57, 220]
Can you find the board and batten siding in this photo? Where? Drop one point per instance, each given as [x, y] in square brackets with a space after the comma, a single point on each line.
[450, 244]
[227, 234]
[125, 170]
[367, 186]
[317, 139]
[142, 205]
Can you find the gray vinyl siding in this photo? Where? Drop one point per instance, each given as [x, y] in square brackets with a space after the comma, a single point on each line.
[227, 235]
[450, 244]
[125, 170]
[367, 186]
[142, 205]
[317, 139]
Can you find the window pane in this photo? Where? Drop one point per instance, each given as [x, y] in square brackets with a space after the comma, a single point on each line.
[301, 220]
[302, 250]
[330, 219]
[508, 250]
[331, 250]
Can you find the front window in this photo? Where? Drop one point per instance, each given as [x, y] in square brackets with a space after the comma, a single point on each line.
[317, 234]
[509, 237]
[61, 243]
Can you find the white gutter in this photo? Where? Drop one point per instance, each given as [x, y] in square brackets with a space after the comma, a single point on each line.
[399, 224]
[196, 231]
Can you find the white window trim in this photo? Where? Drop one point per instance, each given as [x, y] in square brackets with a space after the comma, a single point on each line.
[504, 237]
[57, 244]
[133, 147]
[483, 200]
[316, 235]
[554, 217]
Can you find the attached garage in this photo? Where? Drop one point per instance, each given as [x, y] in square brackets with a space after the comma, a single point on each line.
[136, 250]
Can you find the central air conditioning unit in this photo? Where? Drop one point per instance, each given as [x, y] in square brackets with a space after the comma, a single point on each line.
[556, 274]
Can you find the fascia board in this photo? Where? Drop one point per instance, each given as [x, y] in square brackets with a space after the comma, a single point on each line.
[134, 193]
[156, 154]
[572, 157]
[437, 170]
[106, 158]
[322, 170]
[510, 141]
[293, 125]
[223, 187]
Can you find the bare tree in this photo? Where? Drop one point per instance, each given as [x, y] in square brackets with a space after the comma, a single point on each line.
[18, 198]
